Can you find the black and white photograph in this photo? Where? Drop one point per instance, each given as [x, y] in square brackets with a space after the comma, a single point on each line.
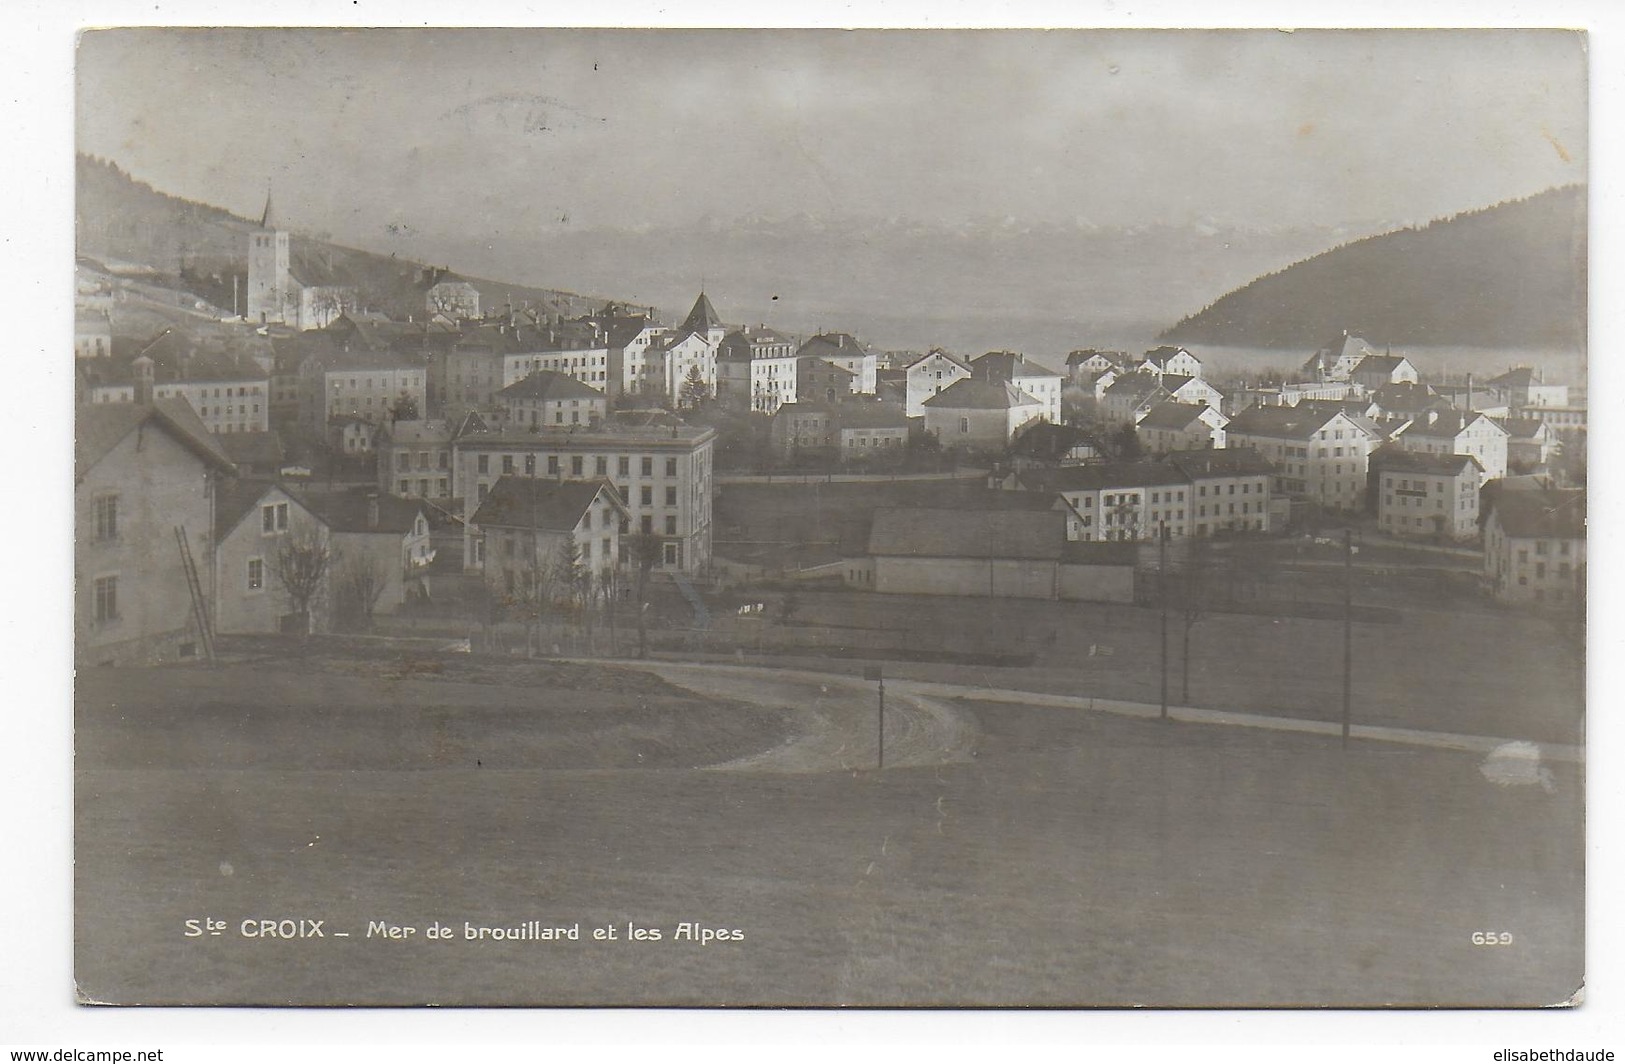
[807, 517]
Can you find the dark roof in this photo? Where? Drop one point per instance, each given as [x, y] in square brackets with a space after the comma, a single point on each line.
[1379, 363]
[252, 448]
[98, 428]
[1008, 366]
[1101, 475]
[540, 504]
[973, 394]
[347, 511]
[1173, 415]
[1135, 385]
[1521, 428]
[1447, 425]
[1519, 377]
[1225, 462]
[831, 345]
[927, 533]
[549, 386]
[806, 363]
[1393, 458]
[1048, 441]
[1285, 422]
[1536, 512]
[1085, 354]
[622, 330]
[238, 496]
[702, 318]
[1407, 396]
[267, 218]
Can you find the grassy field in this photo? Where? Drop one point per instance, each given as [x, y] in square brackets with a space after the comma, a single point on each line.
[1068, 859]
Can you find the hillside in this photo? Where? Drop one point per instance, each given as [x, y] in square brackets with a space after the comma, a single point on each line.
[1510, 275]
[198, 248]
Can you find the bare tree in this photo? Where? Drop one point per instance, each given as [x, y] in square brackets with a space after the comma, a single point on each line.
[644, 550]
[301, 566]
[361, 581]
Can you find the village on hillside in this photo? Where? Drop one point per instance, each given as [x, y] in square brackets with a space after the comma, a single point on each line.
[471, 471]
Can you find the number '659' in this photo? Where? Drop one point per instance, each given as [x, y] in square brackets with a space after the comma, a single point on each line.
[1492, 938]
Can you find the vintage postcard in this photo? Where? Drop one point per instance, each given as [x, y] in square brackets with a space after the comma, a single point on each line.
[573, 517]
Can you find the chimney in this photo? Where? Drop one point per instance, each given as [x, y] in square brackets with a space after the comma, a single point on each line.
[143, 379]
[372, 510]
[1469, 393]
[1433, 417]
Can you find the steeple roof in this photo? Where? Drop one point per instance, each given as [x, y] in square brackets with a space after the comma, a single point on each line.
[267, 219]
[702, 318]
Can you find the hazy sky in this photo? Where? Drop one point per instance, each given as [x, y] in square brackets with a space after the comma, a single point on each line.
[517, 131]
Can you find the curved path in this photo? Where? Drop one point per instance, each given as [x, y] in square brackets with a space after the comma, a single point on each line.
[833, 717]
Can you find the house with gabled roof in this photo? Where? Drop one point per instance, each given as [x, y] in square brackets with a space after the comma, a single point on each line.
[1523, 387]
[1115, 501]
[1320, 457]
[847, 353]
[552, 399]
[145, 479]
[1458, 432]
[995, 553]
[260, 528]
[1129, 397]
[1337, 360]
[820, 380]
[1535, 544]
[381, 548]
[756, 369]
[527, 525]
[1377, 371]
[1530, 444]
[1013, 367]
[979, 415]
[928, 375]
[1170, 360]
[1176, 426]
[1084, 365]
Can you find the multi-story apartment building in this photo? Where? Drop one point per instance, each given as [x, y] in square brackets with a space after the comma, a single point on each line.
[1116, 501]
[1458, 432]
[527, 525]
[844, 351]
[414, 458]
[1171, 426]
[368, 385]
[756, 370]
[1230, 490]
[1535, 543]
[1420, 494]
[1170, 361]
[552, 399]
[1321, 457]
[663, 473]
[1011, 367]
[229, 395]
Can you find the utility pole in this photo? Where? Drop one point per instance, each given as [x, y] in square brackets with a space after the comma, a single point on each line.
[875, 672]
[1348, 629]
[1162, 595]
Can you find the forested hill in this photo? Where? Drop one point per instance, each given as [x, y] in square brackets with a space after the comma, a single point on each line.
[197, 248]
[1510, 275]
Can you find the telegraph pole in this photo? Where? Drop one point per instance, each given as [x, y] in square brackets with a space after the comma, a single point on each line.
[1348, 630]
[1162, 595]
[875, 672]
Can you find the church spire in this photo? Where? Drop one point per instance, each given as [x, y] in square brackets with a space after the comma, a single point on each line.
[266, 219]
[703, 317]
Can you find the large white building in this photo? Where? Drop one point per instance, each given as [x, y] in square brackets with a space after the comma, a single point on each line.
[1319, 456]
[756, 370]
[928, 375]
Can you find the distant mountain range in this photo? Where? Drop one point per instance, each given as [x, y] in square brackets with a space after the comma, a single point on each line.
[199, 248]
[1510, 275]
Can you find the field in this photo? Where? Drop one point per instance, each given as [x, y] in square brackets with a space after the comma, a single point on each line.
[1006, 855]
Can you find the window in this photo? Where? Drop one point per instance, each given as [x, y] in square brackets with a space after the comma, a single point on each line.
[671, 496]
[107, 517]
[671, 554]
[507, 463]
[623, 467]
[647, 466]
[256, 574]
[423, 459]
[646, 496]
[671, 467]
[485, 463]
[600, 466]
[671, 526]
[647, 525]
[576, 467]
[964, 425]
[274, 517]
[552, 465]
[106, 599]
[405, 487]
[402, 460]
[530, 465]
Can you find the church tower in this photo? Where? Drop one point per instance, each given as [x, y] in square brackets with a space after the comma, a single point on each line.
[268, 277]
